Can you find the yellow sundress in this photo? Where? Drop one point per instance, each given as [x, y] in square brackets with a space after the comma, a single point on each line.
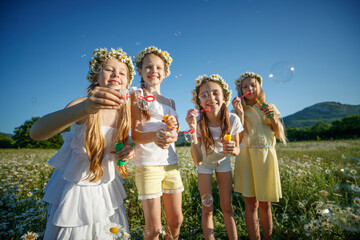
[256, 167]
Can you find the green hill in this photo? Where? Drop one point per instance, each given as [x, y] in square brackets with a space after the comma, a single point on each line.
[6, 134]
[325, 112]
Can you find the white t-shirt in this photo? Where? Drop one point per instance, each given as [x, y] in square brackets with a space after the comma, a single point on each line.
[218, 154]
[150, 154]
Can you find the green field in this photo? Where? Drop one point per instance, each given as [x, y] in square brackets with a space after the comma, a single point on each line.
[320, 183]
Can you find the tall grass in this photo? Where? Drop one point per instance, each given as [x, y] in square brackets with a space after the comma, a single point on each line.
[320, 184]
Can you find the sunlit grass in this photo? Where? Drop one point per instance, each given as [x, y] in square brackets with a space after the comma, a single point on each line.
[320, 183]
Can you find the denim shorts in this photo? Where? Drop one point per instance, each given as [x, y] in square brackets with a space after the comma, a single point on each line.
[218, 166]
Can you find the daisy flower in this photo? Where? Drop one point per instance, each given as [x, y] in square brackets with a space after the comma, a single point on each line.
[114, 230]
[324, 193]
[197, 82]
[357, 201]
[29, 235]
[126, 236]
[355, 187]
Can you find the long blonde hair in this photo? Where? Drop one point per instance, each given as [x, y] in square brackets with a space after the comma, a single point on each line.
[95, 143]
[206, 136]
[260, 98]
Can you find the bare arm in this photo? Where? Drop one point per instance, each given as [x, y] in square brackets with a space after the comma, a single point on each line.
[77, 111]
[276, 124]
[138, 136]
[53, 123]
[232, 146]
[141, 137]
[196, 153]
[238, 106]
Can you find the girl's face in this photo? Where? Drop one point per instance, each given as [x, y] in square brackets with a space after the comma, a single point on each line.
[114, 74]
[250, 85]
[211, 96]
[152, 69]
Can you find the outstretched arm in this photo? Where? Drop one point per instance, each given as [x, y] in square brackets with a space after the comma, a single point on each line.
[196, 153]
[53, 123]
[77, 111]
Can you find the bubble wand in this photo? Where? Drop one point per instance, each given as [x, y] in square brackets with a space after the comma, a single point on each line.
[191, 131]
[149, 98]
[246, 93]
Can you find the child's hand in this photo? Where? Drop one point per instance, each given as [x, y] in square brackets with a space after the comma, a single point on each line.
[229, 147]
[125, 154]
[237, 105]
[164, 138]
[268, 110]
[191, 119]
[171, 123]
[103, 98]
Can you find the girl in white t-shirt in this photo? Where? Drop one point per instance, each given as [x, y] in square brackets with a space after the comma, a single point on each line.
[156, 172]
[211, 146]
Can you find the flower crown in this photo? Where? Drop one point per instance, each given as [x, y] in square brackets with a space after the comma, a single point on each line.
[163, 54]
[247, 75]
[216, 78]
[103, 54]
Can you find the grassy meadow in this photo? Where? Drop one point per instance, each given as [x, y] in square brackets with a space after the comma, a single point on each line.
[320, 184]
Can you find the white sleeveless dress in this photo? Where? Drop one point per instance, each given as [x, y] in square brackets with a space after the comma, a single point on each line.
[80, 209]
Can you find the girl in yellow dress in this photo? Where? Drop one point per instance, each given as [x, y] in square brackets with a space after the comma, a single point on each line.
[256, 168]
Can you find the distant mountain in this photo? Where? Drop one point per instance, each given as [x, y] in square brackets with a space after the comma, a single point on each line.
[326, 112]
[6, 134]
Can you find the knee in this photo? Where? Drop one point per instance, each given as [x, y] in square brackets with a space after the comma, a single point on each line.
[252, 206]
[226, 208]
[207, 210]
[176, 221]
[265, 206]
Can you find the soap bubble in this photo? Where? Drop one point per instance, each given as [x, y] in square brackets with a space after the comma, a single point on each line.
[188, 136]
[83, 55]
[138, 43]
[177, 34]
[178, 76]
[161, 133]
[281, 72]
[125, 94]
[143, 105]
[143, 95]
[341, 206]
[97, 68]
[207, 200]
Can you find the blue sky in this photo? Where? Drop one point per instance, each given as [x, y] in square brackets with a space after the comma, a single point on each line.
[45, 47]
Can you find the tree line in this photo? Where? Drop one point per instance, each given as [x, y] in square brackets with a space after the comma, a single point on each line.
[347, 127]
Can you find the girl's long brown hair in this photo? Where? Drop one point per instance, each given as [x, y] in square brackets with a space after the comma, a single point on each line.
[206, 136]
[95, 143]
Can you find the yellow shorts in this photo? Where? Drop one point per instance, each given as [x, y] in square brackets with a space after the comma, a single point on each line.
[153, 181]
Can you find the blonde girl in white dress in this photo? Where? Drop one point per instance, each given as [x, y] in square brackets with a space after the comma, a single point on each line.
[85, 192]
